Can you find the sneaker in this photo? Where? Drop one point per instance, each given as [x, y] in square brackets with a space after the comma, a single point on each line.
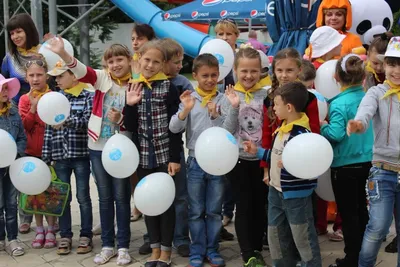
[226, 220]
[260, 258]
[344, 262]
[225, 235]
[196, 261]
[336, 236]
[145, 249]
[183, 250]
[253, 262]
[392, 246]
[215, 260]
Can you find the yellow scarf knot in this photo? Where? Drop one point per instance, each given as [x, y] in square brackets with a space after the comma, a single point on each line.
[119, 81]
[6, 108]
[76, 90]
[25, 52]
[207, 96]
[157, 77]
[394, 89]
[265, 81]
[369, 69]
[286, 128]
[35, 93]
[248, 94]
[135, 57]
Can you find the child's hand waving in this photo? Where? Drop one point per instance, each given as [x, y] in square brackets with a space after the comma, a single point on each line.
[249, 147]
[56, 45]
[187, 100]
[134, 94]
[212, 109]
[233, 98]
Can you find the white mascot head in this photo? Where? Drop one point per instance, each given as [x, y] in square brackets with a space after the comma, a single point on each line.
[370, 18]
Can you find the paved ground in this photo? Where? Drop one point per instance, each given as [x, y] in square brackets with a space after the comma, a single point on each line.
[229, 250]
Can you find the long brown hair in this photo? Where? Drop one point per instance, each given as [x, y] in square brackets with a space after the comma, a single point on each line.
[25, 22]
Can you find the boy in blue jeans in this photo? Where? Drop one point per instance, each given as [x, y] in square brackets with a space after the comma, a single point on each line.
[197, 112]
[290, 213]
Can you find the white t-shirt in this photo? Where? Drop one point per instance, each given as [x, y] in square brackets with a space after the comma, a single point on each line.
[276, 155]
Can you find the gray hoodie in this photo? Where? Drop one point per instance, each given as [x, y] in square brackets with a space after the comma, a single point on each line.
[245, 122]
[385, 115]
[196, 122]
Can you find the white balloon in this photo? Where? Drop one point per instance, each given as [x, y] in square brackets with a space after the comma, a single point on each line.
[53, 58]
[53, 108]
[8, 149]
[325, 82]
[324, 188]
[120, 156]
[154, 194]
[322, 104]
[216, 151]
[307, 156]
[30, 175]
[223, 52]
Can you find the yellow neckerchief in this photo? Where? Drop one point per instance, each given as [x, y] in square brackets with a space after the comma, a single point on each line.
[157, 77]
[369, 69]
[320, 60]
[76, 90]
[265, 81]
[207, 96]
[25, 52]
[6, 108]
[36, 93]
[394, 89]
[125, 78]
[248, 96]
[286, 128]
[135, 57]
[344, 88]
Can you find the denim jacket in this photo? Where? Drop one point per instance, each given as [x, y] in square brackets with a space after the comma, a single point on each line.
[12, 123]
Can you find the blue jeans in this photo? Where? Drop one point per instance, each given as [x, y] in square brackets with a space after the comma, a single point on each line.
[292, 220]
[384, 195]
[205, 202]
[181, 234]
[112, 190]
[81, 169]
[8, 207]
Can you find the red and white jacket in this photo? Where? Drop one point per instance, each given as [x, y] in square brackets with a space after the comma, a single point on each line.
[102, 83]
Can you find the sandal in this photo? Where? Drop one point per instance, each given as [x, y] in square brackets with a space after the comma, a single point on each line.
[38, 242]
[123, 257]
[24, 228]
[85, 245]
[15, 248]
[104, 256]
[50, 240]
[64, 246]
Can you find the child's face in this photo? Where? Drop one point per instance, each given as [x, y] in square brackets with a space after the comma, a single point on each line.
[119, 66]
[18, 36]
[151, 63]
[375, 63]
[207, 77]
[66, 80]
[392, 73]
[173, 66]
[138, 41]
[36, 76]
[308, 84]
[335, 18]
[4, 94]
[286, 70]
[281, 109]
[248, 72]
[228, 35]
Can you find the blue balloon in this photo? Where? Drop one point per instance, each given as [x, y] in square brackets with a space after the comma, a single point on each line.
[231, 138]
[220, 58]
[115, 154]
[28, 167]
[59, 118]
[141, 182]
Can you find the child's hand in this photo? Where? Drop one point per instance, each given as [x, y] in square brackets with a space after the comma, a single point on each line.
[56, 45]
[114, 115]
[249, 147]
[173, 168]
[48, 36]
[134, 94]
[266, 176]
[322, 123]
[187, 100]
[233, 98]
[354, 126]
[212, 109]
[34, 102]
[280, 164]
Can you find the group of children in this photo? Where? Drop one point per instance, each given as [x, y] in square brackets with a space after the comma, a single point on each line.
[143, 97]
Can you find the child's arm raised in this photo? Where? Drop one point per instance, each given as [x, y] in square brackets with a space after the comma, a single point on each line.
[366, 110]
[133, 96]
[179, 120]
[230, 109]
